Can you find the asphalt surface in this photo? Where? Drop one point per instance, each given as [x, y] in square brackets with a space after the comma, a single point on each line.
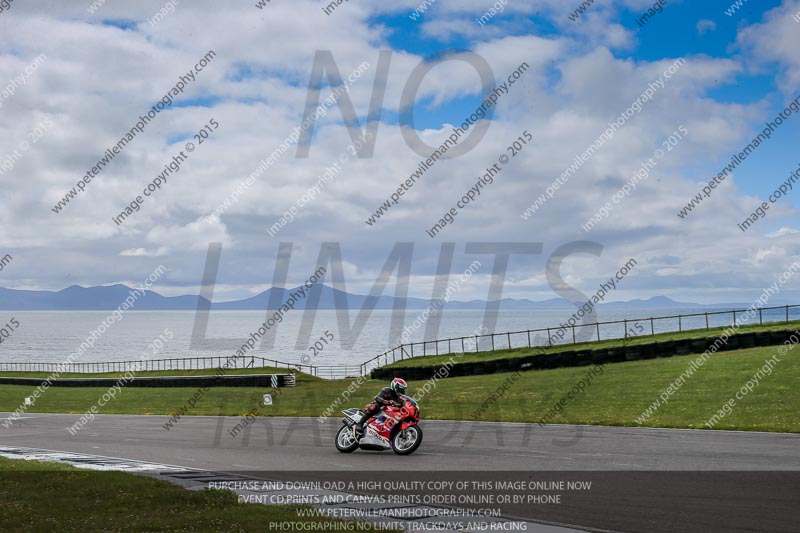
[641, 479]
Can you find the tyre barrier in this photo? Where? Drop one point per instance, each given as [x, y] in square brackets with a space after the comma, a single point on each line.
[250, 380]
[572, 358]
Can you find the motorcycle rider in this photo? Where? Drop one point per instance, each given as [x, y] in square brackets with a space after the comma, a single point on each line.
[387, 396]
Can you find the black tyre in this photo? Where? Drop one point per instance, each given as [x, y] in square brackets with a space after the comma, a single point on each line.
[345, 442]
[405, 442]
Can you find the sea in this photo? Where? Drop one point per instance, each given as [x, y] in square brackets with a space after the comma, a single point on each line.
[51, 336]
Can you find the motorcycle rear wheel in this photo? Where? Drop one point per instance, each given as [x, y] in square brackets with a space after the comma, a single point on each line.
[406, 442]
[345, 442]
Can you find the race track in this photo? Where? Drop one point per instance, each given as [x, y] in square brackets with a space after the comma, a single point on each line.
[642, 479]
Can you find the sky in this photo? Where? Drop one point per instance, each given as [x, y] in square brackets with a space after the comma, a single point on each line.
[103, 65]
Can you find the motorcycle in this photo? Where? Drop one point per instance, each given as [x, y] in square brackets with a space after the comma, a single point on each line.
[393, 427]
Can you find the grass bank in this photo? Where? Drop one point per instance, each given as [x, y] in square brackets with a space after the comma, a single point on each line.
[491, 355]
[615, 397]
[160, 373]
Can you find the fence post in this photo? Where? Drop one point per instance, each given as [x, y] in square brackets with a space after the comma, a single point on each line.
[462, 346]
[476, 343]
[760, 317]
[492, 341]
[625, 336]
[529, 338]
[574, 341]
[652, 327]
[509, 340]
[549, 338]
[597, 324]
[734, 318]
[680, 323]
[706, 319]
[787, 313]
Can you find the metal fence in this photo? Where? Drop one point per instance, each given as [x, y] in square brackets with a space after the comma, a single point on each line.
[339, 371]
[188, 363]
[596, 331]
[544, 337]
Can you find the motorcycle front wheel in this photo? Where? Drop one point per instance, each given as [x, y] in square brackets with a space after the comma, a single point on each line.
[406, 441]
[345, 442]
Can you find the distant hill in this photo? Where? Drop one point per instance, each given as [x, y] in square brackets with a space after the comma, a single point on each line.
[89, 299]
[661, 302]
[110, 297]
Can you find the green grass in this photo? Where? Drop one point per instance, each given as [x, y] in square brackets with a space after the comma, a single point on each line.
[624, 390]
[617, 397]
[471, 357]
[38, 496]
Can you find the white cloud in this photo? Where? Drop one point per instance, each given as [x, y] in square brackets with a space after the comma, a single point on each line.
[776, 40]
[98, 79]
[143, 252]
[704, 26]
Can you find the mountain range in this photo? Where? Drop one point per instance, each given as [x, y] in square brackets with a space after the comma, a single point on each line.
[110, 297]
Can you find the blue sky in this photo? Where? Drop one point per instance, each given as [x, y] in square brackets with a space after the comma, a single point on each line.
[671, 33]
